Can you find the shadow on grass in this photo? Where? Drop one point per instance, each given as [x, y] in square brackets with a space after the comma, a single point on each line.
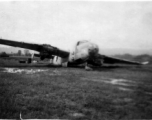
[109, 67]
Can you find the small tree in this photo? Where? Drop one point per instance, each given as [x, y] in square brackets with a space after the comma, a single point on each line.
[3, 54]
[19, 52]
[27, 52]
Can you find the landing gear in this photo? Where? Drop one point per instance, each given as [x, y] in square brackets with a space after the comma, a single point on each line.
[65, 64]
[29, 60]
[87, 67]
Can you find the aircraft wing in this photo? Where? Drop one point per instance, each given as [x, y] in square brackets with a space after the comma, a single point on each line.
[113, 60]
[42, 48]
[35, 47]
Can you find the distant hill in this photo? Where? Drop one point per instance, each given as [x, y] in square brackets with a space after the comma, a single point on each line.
[102, 51]
[122, 51]
[140, 58]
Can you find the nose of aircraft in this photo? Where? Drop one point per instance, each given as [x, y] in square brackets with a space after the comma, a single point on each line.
[93, 50]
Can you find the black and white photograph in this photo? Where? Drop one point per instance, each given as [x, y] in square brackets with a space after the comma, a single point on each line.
[85, 59]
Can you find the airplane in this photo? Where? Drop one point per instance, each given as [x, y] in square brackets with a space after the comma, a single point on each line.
[84, 52]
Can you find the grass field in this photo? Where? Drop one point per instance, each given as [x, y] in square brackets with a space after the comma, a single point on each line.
[73, 93]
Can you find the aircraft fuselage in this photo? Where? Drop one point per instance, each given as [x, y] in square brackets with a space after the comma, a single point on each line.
[83, 51]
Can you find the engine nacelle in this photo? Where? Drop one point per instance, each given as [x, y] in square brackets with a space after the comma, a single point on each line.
[60, 61]
[57, 60]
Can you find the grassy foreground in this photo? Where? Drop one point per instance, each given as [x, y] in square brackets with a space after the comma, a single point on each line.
[73, 93]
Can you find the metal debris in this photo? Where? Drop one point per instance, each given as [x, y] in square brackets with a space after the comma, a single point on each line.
[122, 82]
[26, 71]
[78, 115]
[119, 82]
[55, 72]
[124, 89]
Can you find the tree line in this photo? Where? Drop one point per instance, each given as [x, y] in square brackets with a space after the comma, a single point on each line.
[18, 53]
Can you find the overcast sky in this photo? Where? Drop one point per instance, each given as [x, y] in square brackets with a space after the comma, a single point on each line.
[61, 24]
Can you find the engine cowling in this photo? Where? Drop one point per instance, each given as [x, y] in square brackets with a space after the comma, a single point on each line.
[57, 60]
[60, 61]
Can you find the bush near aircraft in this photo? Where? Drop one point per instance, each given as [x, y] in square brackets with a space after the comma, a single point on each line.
[4, 54]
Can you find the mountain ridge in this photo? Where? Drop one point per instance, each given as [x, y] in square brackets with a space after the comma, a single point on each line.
[106, 51]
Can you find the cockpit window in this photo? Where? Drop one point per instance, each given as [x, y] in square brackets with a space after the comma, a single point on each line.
[80, 42]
